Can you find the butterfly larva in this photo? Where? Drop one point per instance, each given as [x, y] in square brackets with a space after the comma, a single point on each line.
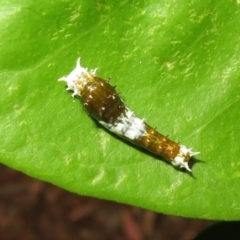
[103, 103]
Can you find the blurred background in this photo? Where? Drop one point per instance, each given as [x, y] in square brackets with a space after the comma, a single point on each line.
[33, 210]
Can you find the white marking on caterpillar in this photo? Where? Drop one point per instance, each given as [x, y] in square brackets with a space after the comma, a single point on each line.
[127, 125]
[103, 103]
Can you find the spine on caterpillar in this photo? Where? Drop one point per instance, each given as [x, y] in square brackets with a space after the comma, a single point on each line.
[102, 102]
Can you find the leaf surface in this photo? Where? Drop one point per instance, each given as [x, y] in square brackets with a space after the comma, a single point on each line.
[176, 65]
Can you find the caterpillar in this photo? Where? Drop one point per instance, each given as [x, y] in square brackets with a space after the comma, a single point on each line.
[103, 103]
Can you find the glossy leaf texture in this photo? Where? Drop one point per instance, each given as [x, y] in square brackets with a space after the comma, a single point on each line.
[176, 64]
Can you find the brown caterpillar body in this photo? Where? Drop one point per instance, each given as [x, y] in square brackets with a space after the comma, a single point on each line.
[103, 103]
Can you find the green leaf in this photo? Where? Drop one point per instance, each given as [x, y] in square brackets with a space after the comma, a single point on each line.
[176, 65]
